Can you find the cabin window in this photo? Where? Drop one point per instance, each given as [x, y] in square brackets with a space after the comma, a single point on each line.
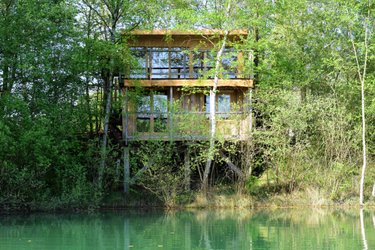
[179, 63]
[198, 64]
[159, 63]
[222, 105]
[160, 107]
[152, 113]
[229, 63]
[139, 63]
[144, 114]
[167, 63]
[203, 61]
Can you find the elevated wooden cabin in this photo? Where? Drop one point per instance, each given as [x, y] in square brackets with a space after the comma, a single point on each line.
[172, 75]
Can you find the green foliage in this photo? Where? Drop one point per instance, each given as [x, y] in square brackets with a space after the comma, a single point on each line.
[251, 184]
[55, 59]
[310, 143]
[162, 174]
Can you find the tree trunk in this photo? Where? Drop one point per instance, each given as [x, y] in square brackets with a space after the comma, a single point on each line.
[213, 115]
[362, 79]
[211, 149]
[108, 95]
[103, 151]
[364, 158]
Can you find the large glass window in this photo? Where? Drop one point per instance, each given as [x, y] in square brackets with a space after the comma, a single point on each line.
[144, 114]
[165, 63]
[207, 103]
[223, 105]
[139, 65]
[159, 63]
[160, 112]
[229, 63]
[152, 113]
[179, 63]
[198, 63]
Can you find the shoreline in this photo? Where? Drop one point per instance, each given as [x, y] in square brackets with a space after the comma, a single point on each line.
[215, 202]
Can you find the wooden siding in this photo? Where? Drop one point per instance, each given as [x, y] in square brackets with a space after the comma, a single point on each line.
[190, 39]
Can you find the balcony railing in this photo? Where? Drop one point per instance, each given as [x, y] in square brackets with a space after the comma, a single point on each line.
[181, 73]
[186, 125]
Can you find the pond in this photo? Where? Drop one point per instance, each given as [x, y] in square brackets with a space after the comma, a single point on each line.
[201, 229]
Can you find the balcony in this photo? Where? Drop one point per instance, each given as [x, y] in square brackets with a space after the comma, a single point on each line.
[176, 67]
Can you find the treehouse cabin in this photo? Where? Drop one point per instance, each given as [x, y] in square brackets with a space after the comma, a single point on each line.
[167, 87]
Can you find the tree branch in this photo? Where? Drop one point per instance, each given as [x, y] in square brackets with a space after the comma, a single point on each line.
[97, 13]
[230, 164]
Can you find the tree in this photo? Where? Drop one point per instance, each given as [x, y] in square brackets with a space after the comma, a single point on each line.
[111, 16]
[361, 70]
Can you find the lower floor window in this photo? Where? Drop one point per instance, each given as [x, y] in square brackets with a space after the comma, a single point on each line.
[152, 113]
[223, 105]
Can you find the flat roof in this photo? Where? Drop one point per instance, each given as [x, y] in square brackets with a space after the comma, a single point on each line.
[235, 32]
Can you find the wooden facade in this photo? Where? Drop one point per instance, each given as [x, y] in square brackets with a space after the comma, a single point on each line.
[173, 75]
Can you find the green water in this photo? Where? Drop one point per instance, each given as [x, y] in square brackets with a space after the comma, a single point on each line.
[277, 229]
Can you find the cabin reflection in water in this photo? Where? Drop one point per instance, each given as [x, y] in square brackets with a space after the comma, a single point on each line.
[172, 74]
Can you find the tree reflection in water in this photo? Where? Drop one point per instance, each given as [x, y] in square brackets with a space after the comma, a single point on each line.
[201, 229]
[363, 231]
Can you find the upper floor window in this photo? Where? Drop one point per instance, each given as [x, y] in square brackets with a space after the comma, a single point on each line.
[140, 64]
[160, 63]
[229, 63]
[180, 63]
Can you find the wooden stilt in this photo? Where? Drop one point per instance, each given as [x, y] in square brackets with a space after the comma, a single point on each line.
[126, 154]
[171, 113]
[250, 109]
[187, 170]
[126, 169]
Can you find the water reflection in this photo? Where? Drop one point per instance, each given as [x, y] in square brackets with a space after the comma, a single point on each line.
[363, 231]
[276, 229]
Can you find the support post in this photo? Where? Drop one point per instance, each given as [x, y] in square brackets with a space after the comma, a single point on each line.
[125, 126]
[126, 117]
[126, 169]
[187, 170]
[171, 112]
[250, 110]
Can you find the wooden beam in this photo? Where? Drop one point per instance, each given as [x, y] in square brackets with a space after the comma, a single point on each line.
[171, 112]
[230, 164]
[246, 83]
[206, 32]
[139, 173]
[175, 38]
[126, 169]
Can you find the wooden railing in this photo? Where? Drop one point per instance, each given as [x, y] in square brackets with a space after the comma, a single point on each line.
[180, 73]
[186, 125]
